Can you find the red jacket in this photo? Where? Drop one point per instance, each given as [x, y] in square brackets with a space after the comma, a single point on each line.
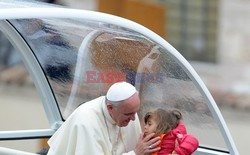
[168, 141]
[186, 145]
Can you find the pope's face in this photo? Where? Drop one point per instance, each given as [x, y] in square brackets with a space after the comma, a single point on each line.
[126, 111]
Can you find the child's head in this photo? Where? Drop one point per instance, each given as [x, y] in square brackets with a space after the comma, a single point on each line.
[161, 121]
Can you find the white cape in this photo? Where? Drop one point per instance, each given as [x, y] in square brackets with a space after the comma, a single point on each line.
[76, 137]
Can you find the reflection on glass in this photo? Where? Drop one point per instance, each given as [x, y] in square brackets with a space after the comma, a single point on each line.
[176, 90]
[81, 59]
[19, 100]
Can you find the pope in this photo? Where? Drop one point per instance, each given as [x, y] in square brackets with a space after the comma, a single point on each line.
[107, 125]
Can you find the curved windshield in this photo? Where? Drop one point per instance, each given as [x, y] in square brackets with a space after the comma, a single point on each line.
[81, 59]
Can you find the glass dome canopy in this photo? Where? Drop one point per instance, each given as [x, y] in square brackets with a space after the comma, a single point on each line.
[82, 53]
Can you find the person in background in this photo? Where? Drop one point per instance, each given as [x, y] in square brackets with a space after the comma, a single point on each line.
[174, 138]
[107, 125]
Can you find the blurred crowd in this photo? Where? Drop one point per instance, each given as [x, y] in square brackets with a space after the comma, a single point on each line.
[12, 69]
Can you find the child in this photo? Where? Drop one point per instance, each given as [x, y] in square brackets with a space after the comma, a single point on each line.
[172, 132]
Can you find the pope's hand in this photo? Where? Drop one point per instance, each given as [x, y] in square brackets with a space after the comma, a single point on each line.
[147, 144]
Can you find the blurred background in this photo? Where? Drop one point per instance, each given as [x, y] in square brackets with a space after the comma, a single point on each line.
[213, 35]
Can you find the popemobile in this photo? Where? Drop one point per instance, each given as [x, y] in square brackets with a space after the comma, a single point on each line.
[64, 49]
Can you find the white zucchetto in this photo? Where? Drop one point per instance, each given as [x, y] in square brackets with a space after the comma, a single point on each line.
[120, 91]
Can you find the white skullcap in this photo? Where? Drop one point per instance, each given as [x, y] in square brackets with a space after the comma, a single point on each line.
[120, 91]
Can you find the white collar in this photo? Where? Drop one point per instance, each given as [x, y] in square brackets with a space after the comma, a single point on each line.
[106, 113]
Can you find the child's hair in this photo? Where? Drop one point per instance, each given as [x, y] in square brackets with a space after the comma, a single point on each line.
[166, 119]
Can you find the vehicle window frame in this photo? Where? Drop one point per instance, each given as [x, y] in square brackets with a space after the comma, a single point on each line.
[41, 83]
[88, 15]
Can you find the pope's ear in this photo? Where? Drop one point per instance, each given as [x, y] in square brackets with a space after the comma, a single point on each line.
[109, 107]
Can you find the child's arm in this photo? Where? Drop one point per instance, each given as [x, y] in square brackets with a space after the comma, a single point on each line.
[187, 145]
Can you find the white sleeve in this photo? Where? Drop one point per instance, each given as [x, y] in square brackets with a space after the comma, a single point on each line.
[79, 140]
[129, 153]
[74, 137]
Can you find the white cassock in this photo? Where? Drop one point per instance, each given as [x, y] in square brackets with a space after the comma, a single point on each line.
[90, 130]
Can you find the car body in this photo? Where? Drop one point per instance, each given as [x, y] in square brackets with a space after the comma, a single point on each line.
[74, 55]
